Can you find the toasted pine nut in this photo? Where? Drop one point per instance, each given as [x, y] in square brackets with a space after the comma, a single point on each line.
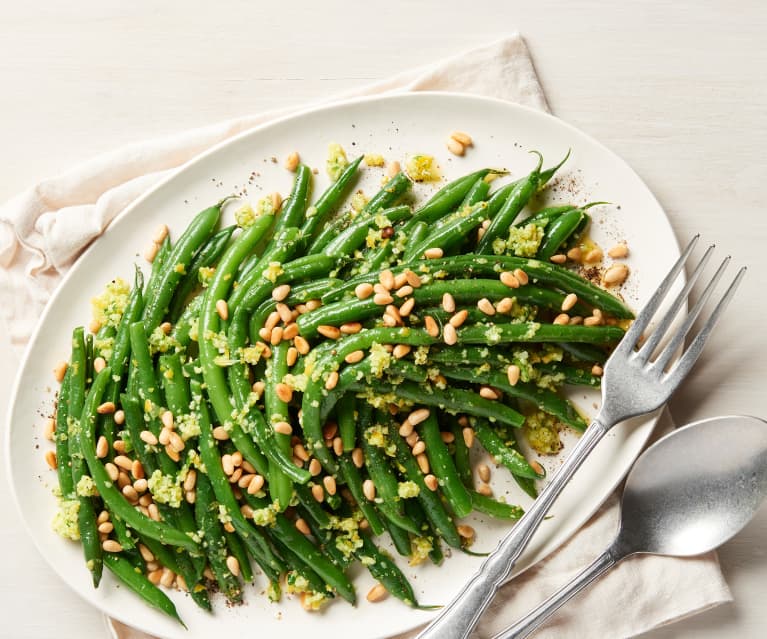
[331, 332]
[103, 516]
[412, 278]
[592, 321]
[338, 446]
[382, 299]
[256, 484]
[358, 457]
[59, 370]
[154, 512]
[284, 392]
[332, 380]
[167, 577]
[176, 443]
[160, 233]
[276, 201]
[145, 500]
[141, 485]
[433, 253]
[386, 277]
[292, 356]
[616, 274]
[190, 480]
[280, 292]
[220, 433]
[119, 446]
[148, 437]
[164, 437]
[354, 357]
[489, 393]
[484, 489]
[110, 545]
[131, 494]
[244, 480]
[401, 350]
[302, 346]
[233, 565]
[455, 147]
[432, 483]
[106, 408]
[593, 256]
[407, 307]
[423, 463]
[447, 437]
[559, 258]
[389, 321]
[392, 169]
[463, 138]
[575, 320]
[276, 336]
[167, 419]
[291, 162]
[318, 492]
[596, 370]
[448, 303]
[377, 593]
[406, 428]
[468, 436]
[50, 459]
[330, 484]
[418, 415]
[575, 254]
[505, 305]
[289, 332]
[483, 470]
[467, 532]
[513, 372]
[124, 462]
[486, 306]
[404, 291]
[112, 471]
[154, 576]
[99, 364]
[123, 480]
[509, 279]
[302, 526]
[562, 319]
[119, 417]
[222, 308]
[420, 447]
[329, 430]
[363, 291]
[150, 252]
[431, 326]
[459, 318]
[102, 447]
[521, 276]
[619, 251]
[284, 428]
[412, 439]
[571, 299]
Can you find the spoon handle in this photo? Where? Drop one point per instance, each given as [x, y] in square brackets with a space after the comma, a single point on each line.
[458, 618]
[530, 622]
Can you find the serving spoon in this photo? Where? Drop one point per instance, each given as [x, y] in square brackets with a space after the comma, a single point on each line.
[687, 494]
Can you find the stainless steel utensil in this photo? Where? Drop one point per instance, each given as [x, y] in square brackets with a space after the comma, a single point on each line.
[687, 494]
[635, 382]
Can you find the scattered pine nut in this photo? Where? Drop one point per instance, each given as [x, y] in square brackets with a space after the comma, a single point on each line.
[166, 327]
[465, 531]
[112, 471]
[330, 484]
[141, 485]
[433, 253]
[369, 489]
[329, 431]
[616, 274]
[468, 436]
[407, 307]
[222, 308]
[419, 415]
[350, 328]
[358, 457]
[447, 437]
[256, 484]
[619, 251]
[489, 393]
[513, 372]
[382, 299]
[392, 169]
[401, 350]
[283, 428]
[377, 593]
[302, 346]
[291, 162]
[331, 332]
[509, 279]
[50, 459]
[315, 468]
[389, 320]
[363, 291]
[432, 483]
[411, 439]
[448, 303]
[486, 306]
[274, 318]
[318, 492]
[102, 447]
[121, 461]
[220, 433]
[60, 370]
[160, 233]
[592, 321]
[284, 392]
[484, 489]
[406, 428]
[571, 299]
[431, 326]
[559, 258]
[233, 565]
[404, 291]
[521, 276]
[332, 380]
[99, 364]
[505, 305]
[449, 334]
[150, 252]
[412, 278]
[176, 443]
[463, 138]
[292, 355]
[49, 429]
[167, 419]
[119, 417]
[562, 319]
[455, 147]
[154, 576]
[386, 278]
[119, 446]
[575, 320]
[419, 448]
[459, 318]
[131, 494]
[110, 545]
[302, 526]
[279, 293]
[106, 408]
[483, 470]
[575, 254]
[423, 463]
[597, 370]
[593, 256]
[276, 337]
[276, 201]
[354, 357]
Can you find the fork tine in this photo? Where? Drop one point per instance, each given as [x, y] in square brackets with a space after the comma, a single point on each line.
[643, 319]
[693, 351]
[677, 339]
[660, 330]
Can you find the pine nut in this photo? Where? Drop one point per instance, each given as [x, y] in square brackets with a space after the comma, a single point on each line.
[302, 346]
[233, 565]
[141, 485]
[575, 320]
[509, 279]
[536, 467]
[331, 332]
[292, 356]
[592, 321]
[148, 437]
[377, 593]
[467, 532]
[433, 253]
[167, 577]
[489, 393]
[358, 457]
[276, 336]
[276, 201]
[102, 517]
[131, 494]
[363, 291]
[407, 307]
[401, 350]
[167, 420]
[284, 392]
[123, 480]
[463, 138]
[338, 446]
[106, 408]
[164, 437]
[318, 492]
[455, 147]
[571, 299]
[176, 443]
[190, 480]
[154, 576]
[137, 469]
[575, 254]
[431, 482]
[354, 357]
[172, 453]
[505, 305]
[145, 500]
[593, 256]
[412, 439]
[150, 252]
[110, 545]
[483, 470]
[389, 320]
[244, 480]
[486, 306]
[419, 448]
[329, 430]
[280, 292]
[302, 526]
[330, 484]
[369, 489]
[559, 258]
[59, 371]
[94, 326]
[406, 428]
[448, 303]
[315, 468]
[447, 437]
[102, 447]
[50, 459]
[146, 554]
[521, 276]
[166, 327]
[596, 370]
[99, 364]
[619, 251]
[273, 319]
[459, 318]
[382, 299]
[256, 484]
[386, 278]
[468, 436]
[126, 463]
[423, 463]
[283, 428]
[616, 274]
[181, 584]
[112, 471]
[404, 291]
[119, 417]
[222, 308]
[291, 162]
[563, 319]
[431, 326]
[393, 168]
[413, 278]
[484, 489]
[154, 512]
[513, 372]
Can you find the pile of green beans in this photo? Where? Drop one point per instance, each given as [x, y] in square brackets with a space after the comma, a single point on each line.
[286, 390]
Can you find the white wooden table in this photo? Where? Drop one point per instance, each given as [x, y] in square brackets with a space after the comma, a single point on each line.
[679, 89]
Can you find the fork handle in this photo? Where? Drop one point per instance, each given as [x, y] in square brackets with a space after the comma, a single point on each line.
[460, 616]
[533, 620]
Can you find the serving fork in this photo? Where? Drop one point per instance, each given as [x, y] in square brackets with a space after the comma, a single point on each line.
[639, 377]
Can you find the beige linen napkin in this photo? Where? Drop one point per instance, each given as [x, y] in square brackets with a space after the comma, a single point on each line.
[43, 230]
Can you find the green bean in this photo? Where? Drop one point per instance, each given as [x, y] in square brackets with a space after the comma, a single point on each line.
[570, 374]
[547, 174]
[493, 444]
[157, 263]
[138, 583]
[172, 378]
[312, 506]
[387, 572]
[178, 259]
[350, 239]
[351, 476]
[461, 453]
[430, 501]
[112, 497]
[495, 508]
[294, 210]
[328, 202]
[534, 332]
[583, 352]
[443, 467]
[454, 232]
[205, 257]
[477, 193]
[280, 484]
[418, 233]
[301, 568]
[400, 538]
[517, 200]
[546, 216]
[347, 421]
[325, 540]
[414, 510]
[447, 198]
[64, 464]
[182, 329]
[558, 232]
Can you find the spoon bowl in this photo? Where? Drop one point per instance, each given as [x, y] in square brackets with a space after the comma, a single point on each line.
[687, 494]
